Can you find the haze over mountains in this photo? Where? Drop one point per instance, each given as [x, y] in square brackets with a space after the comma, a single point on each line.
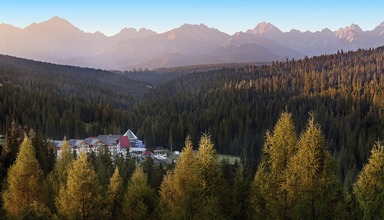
[58, 41]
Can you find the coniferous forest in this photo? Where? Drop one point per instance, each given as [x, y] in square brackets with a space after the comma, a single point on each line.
[308, 133]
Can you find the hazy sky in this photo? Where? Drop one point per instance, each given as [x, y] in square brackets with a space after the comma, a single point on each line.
[110, 16]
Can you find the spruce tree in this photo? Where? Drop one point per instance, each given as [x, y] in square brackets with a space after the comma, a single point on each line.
[158, 175]
[10, 149]
[369, 188]
[25, 187]
[41, 150]
[127, 166]
[103, 165]
[239, 195]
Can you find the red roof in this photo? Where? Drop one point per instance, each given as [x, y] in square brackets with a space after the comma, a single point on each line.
[124, 142]
[147, 153]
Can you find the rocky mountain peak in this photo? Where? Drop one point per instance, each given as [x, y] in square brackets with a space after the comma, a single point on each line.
[264, 28]
[350, 33]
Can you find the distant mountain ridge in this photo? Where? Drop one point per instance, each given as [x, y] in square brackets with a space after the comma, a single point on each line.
[58, 41]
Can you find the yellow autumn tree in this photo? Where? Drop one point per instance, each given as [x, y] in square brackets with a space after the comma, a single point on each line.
[210, 189]
[168, 198]
[177, 191]
[269, 199]
[313, 189]
[140, 199]
[59, 174]
[25, 188]
[369, 188]
[195, 189]
[115, 195]
[80, 197]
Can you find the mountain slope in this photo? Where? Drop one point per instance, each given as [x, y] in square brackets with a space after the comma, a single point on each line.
[187, 40]
[279, 51]
[60, 101]
[237, 105]
[86, 84]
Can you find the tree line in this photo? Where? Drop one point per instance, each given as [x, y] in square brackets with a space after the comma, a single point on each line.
[296, 179]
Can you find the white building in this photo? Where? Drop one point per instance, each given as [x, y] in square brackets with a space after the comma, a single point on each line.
[117, 144]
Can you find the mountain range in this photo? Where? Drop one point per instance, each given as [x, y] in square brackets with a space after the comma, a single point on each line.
[58, 41]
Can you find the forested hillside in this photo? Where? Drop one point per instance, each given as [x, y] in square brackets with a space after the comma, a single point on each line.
[60, 100]
[235, 105]
[311, 163]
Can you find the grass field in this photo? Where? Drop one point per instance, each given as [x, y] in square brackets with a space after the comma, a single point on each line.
[231, 159]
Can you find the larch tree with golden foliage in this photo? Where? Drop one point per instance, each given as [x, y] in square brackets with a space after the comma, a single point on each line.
[177, 191]
[25, 188]
[140, 199]
[80, 197]
[57, 178]
[312, 186]
[369, 188]
[269, 197]
[59, 174]
[115, 195]
[210, 192]
[195, 189]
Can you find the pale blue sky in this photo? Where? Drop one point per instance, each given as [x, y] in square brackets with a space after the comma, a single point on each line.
[110, 16]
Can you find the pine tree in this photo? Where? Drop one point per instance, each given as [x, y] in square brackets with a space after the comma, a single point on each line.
[269, 197]
[115, 195]
[158, 175]
[140, 199]
[103, 166]
[369, 188]
[25, 190]
[148, 166]
[313, 189]
[239, 195]
[10, 149]
[126, 166]
[41, 150]
[80, 197]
